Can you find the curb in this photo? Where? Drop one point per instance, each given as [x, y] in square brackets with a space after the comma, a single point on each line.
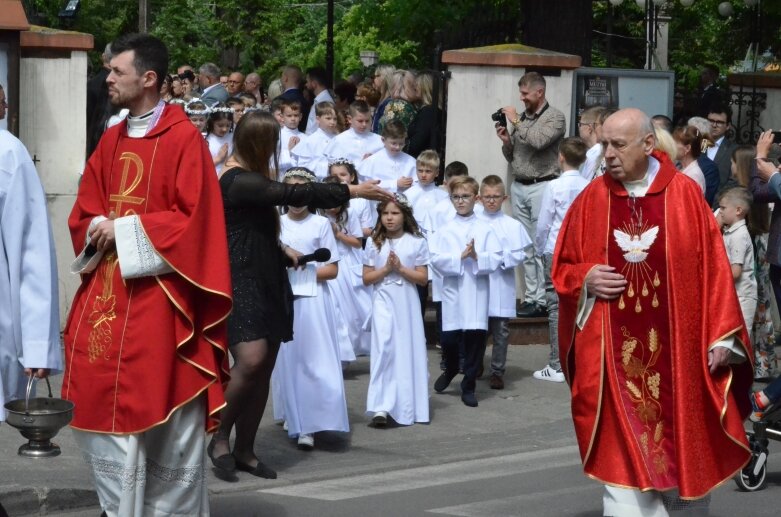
[45, 501]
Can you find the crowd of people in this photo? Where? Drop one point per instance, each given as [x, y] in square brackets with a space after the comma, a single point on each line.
[203, 211]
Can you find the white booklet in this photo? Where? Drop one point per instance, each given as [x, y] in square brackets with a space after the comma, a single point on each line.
[303, 280]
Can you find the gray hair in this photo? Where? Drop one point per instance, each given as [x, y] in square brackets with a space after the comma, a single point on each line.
[210, 70]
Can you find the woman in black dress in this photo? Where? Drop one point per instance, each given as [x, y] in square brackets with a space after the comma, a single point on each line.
[262, 314]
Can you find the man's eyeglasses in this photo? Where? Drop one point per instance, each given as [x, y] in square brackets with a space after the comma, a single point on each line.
[586, 124]
[457, 199]
[234, 82]
[717, 122]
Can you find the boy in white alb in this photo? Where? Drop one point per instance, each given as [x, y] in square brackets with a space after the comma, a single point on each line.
[425, 194]
[464, 251]
[394, 168]
[310, 151]
[501, 300]
[434, 219]
[556, 200]
[422, 197]
[357, 143]
[289, 135]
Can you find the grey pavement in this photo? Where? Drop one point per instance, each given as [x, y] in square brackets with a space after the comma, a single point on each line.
[515, 454]
[527, 415]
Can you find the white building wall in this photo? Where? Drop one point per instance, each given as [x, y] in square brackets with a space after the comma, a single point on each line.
[53, 106]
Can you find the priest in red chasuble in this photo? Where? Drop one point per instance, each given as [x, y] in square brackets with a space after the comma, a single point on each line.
[145, 340]
[653, 343]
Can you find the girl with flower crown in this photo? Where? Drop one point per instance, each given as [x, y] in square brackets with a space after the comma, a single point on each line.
[307, 380]
[395, 261]
[219, 134]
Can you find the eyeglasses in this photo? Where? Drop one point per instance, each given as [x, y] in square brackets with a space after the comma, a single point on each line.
[234, 82]
[586, 124]
[492, 198]
[717, 122]
[461, 199]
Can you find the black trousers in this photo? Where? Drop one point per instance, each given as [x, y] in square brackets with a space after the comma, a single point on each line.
[471, 342]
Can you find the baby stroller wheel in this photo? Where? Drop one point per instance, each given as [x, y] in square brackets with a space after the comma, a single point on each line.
[753, 477]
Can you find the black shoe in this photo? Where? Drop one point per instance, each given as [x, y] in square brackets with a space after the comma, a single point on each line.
[532, 310]
[260, 470]
[226, 462]
[469, 399]
[443, 381]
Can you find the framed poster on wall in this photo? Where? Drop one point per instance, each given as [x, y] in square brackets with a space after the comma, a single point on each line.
[649, 90]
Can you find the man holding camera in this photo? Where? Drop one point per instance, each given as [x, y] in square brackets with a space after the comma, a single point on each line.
[530, 143]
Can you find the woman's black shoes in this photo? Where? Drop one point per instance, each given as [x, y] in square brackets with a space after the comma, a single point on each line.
[260, 470]
[225, 465]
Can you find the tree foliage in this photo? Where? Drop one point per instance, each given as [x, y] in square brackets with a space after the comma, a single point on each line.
[266, 34]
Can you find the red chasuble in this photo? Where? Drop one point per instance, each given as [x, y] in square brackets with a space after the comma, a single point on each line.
[648, 414]
[138, 349]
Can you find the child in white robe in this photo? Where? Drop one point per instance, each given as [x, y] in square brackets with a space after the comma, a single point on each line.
[219, 135]
[289, 135]
[464, 251]
[395, 260]
[424, 196]
[308, 368]
[516, 245]
[353, 298]
[360, 208]
[357, 143]
[310, 151]
[393, 167]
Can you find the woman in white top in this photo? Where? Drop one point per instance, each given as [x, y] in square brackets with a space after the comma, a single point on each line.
[688, 141]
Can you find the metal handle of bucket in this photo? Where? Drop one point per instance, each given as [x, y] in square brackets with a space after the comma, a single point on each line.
[30, 388]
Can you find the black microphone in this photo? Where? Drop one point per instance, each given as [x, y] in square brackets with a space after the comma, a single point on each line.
[320, 255]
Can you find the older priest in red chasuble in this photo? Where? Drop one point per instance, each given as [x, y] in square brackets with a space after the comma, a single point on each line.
[145, 341]
[653, 343]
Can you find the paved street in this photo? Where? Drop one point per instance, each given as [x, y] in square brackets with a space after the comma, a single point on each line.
[513, 455]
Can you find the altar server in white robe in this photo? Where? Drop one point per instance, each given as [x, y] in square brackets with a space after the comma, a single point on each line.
[357, 143]
[516, 246]
[465, 251]
[308, 368]
[393, 167]
[29, 306]
[395, 260]
[310, 151]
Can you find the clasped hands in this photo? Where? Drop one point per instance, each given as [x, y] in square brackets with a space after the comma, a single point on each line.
[103, 237]
[605, 283]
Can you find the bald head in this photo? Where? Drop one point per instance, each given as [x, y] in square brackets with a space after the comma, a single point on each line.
[627, 139]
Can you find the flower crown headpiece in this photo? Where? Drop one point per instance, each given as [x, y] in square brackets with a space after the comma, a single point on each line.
[192, 111]
[341, 161]
[178, 102]
[222, 109]
[300, 172]
[401, 199]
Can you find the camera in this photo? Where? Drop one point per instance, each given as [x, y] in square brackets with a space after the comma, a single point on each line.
[499, 117]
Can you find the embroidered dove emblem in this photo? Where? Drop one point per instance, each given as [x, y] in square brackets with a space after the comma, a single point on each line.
[636, 246]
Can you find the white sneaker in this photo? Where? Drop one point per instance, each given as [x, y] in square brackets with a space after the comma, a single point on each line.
[380, 419]
[284, 425]
[306, 442]
[549, 374]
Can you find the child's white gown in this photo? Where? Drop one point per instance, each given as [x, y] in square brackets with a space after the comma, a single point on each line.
[398, 380]
[354, 298]
[307, 383]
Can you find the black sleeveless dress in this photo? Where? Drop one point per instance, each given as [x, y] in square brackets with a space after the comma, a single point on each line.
[262, 298]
